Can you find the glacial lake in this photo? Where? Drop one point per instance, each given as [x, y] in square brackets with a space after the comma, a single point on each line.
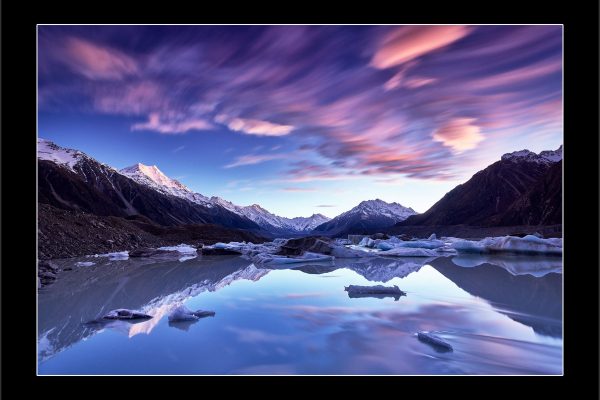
[502, 315]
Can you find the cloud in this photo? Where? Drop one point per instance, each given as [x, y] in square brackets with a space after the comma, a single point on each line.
[254, 126]
[460, 134]
[298, 189]
[98, 62]
[178, 149]
[171, 127]
[409, 42]
[251, 159]
[325, 205]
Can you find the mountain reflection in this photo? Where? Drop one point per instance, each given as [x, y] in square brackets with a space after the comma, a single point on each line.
[155, 287]
[530, 300]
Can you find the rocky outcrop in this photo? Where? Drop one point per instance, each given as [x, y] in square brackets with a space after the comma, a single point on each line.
[313, 244]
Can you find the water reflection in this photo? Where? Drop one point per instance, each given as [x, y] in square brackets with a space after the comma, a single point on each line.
[288, 321]
[530, 300]
[86, 293]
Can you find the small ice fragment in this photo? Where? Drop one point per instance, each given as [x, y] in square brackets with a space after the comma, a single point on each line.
[438, 343]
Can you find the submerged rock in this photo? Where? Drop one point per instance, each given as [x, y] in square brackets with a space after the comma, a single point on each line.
[436, 342]
[378, 291]
[123, 313]
[182, 313]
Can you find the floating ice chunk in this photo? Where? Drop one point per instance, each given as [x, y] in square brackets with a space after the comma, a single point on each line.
[432, 237]
[84, 264]
[367, 242]
[408, 252]
[379, 291]
[185, 258]
[385, 245]
[342, 242]
[182, 313]
[352, 252]
[182, 248]
[123, 313]
[529, 244]
[438, 343]
[120, 255]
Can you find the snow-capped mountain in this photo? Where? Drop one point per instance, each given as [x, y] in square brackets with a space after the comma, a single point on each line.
[153, 177]
[369, 215]
[545, 157]
[71, 180]
[271, 221]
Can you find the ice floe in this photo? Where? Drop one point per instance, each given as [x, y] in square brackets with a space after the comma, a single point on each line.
[182, 313]
[529, 244]
[119, 255]
[181, 248]
[84, 264]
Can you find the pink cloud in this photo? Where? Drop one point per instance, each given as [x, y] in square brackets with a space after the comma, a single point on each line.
[254, 126]
[527, 73]
[460, 134]
[251, 159]
[410, 42]
[172, 127]
[98, 62]
[418, 81]
[133, 98]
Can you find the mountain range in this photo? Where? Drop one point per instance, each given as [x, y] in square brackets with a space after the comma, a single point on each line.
[522, 188]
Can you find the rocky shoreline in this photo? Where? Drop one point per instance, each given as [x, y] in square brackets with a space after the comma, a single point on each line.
[66, 234]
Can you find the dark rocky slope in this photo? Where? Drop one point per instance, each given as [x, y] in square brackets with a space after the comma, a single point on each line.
[66, 233]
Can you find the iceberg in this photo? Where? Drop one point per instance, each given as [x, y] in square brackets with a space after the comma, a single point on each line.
[182, 313]
[408, 252]
[529, 244]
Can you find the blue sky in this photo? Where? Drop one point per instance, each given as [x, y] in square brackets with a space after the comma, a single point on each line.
[303, 119]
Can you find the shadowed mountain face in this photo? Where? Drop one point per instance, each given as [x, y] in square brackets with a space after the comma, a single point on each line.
[541, 205]
[514, 191]
[95, 188]
[520, 296]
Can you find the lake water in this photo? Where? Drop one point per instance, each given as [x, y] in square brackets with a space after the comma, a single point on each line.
[500, 317]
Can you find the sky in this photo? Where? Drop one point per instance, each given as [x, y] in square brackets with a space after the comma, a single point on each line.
[303, 119]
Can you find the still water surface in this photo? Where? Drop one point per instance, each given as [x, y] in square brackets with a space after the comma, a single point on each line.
[500, 317]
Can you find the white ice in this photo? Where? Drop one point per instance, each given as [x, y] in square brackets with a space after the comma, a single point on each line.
[511, 244]
[181, 248]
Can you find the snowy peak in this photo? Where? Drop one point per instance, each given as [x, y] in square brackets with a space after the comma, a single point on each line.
[153, 177]
[545, 157]
[48, 150]
[154, 174]
[380, 207]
